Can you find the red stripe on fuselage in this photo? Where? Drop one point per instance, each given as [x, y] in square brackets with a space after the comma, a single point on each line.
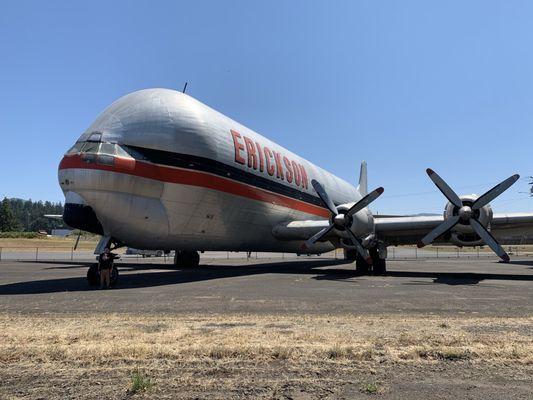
[196, 178]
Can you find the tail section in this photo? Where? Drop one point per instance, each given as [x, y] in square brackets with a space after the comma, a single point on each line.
[362, 188]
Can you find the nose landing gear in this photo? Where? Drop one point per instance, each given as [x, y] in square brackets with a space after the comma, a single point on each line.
[93, 275]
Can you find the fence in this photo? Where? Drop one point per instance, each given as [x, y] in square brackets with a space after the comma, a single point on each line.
[394, 253]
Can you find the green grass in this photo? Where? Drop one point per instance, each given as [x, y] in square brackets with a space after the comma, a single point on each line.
[370, 388]
[140, 383]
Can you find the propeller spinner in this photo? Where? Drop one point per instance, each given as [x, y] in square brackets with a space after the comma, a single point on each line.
[343, 220]
[468, 213]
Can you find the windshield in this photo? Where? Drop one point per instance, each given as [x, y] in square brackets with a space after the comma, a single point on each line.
[111, 149]
[99, 152]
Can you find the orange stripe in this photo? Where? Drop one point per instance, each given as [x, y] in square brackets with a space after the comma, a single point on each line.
[196, 178]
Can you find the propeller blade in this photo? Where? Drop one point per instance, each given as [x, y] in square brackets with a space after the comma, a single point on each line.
[365, 201]
[77, 241]
[439, 230]
[360, 249]
[317, 236]
[444, 188]
[489, 240]
[324, 196]
[494, 192]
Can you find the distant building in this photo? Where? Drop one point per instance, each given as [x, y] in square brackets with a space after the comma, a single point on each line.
[61, 232]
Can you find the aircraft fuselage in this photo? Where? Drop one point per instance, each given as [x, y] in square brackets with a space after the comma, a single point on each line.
[160, 170]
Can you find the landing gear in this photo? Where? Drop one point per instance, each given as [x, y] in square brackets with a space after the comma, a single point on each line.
[380, 267]
[378, 254]
[114, 276]
[186, 259]
[379, 259]
[93, 276]
[361, 266]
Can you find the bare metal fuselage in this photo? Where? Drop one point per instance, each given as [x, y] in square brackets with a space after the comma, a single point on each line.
[202, 182]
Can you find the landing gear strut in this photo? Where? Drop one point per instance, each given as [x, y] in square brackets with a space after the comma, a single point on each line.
[186, 259]
[93, 275]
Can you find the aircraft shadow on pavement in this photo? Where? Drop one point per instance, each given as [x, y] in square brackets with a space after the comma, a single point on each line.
[522, 262]
[145, 277]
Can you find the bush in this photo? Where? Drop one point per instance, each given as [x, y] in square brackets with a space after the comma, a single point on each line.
[20, 235]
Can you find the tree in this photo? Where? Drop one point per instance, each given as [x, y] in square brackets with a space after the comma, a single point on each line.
[8, 222]
[29, 215]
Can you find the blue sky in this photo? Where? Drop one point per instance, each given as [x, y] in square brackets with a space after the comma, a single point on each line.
[405, 85]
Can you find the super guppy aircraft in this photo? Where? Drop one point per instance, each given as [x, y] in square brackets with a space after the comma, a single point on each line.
[160, 170]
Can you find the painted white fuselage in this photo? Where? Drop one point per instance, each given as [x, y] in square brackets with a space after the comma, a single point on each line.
[203, 182]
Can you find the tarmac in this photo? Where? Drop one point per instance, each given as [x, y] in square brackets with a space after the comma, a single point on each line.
[326, 286]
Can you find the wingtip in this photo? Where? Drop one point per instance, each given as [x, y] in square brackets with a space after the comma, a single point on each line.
[420, 244]
[380, 190]
[505, 258]
[429, 171]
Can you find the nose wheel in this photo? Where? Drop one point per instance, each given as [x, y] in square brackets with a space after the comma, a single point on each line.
[93, 275]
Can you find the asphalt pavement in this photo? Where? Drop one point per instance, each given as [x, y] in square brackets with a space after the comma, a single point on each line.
[326, 286]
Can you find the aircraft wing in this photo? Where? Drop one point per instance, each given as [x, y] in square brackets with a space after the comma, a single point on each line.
[53, 216]
[467, 220]
[507, 228]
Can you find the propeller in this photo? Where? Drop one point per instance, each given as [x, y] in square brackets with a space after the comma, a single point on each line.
[467, 213]
[342, 220]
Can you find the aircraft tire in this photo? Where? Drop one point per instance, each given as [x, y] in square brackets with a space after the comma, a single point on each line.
[380, 266]
[114, 276]
[186, 259]
[350, 255]
[361, 266]
[93, 276]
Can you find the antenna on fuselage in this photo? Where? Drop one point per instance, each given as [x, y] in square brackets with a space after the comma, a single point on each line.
[185, 87]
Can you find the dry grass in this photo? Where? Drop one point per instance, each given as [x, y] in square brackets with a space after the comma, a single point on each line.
[48, 243]
[119, 338]
[209, 354]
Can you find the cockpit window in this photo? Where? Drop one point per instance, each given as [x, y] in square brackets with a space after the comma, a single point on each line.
[107, 148]
[95, 137]
[90, 147]
[102, 153]
[121, 152]
[74, 149]
[134, 153]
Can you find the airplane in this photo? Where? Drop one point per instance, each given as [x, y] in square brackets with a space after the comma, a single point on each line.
[159, 170]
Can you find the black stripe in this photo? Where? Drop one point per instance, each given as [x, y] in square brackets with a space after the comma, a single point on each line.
[204, 164]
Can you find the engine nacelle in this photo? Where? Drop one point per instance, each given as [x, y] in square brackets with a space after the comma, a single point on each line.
[362, 223]
[462, 234]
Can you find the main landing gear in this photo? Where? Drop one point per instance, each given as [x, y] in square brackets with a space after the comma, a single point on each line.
[379, 263]
[186, 259]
